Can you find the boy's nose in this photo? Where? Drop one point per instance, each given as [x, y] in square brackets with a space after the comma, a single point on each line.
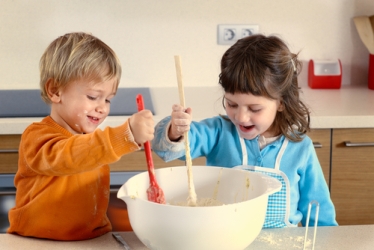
[102, 108]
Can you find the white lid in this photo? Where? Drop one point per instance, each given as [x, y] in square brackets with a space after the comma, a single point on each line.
[327, 68]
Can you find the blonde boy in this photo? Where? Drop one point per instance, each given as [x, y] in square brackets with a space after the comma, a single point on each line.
[63, 174]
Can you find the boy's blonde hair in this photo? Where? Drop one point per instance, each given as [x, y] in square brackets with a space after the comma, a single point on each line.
[75, 56]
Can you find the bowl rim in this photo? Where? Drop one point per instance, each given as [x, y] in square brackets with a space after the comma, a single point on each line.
[275, 186]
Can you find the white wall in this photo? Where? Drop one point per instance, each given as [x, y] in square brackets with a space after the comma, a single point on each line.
[147, 34]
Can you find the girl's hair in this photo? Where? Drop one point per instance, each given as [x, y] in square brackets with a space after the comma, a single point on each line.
[76, 56]
[264, 66]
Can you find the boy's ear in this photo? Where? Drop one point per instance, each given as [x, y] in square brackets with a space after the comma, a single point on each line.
[52, 91]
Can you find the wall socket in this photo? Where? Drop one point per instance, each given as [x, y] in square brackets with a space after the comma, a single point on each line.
[230, 33]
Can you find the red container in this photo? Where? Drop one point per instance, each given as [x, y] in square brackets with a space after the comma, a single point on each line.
[325, 74]
[371, 72]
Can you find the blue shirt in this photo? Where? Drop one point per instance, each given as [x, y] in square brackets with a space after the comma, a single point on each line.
[217, 139]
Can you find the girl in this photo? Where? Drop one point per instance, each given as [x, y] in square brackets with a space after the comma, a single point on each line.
[264, 130]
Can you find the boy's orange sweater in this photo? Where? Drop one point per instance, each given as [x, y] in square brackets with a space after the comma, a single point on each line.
[63, 181]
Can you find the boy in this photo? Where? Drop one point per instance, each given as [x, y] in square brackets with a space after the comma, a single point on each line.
[63, 174]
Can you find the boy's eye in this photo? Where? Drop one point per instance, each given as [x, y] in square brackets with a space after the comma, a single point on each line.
[91, 97]
[107, 101]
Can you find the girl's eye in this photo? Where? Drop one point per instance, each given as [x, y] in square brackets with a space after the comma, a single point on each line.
[231, 105]
[107, 101]
[91, 98]
[255, 110]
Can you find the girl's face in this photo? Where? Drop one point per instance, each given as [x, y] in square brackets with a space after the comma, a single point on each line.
[82, 106]
[252, 115]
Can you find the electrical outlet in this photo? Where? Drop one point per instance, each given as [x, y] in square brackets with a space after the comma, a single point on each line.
[230, 33]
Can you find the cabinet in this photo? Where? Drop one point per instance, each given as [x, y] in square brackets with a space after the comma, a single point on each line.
[351, 179]
[9, 153]
[135, 161]
[349, 171]
[352, 176]
[322, 143]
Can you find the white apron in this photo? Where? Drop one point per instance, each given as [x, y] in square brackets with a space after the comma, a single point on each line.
[278, 209]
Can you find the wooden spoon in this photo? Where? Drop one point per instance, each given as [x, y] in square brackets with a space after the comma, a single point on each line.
[365, 30]
[154, 192]
[192, 197]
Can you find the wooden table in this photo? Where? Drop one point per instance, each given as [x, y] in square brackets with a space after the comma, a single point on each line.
[342, 237]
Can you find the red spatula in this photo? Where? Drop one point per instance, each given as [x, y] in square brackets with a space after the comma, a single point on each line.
[154, 192]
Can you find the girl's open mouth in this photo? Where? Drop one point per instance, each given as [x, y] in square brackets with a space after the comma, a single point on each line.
[246, 128]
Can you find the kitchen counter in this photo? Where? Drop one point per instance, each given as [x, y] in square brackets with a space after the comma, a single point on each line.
[342, 237]
[348, 107]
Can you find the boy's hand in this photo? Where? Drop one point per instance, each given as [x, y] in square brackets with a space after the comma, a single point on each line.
[142, 126]
[180, 122]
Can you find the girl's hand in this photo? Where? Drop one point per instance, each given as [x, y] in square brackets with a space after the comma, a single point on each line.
[142, 126]
[180, 122]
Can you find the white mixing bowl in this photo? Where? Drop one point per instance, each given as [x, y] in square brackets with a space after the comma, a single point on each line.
[231, 226]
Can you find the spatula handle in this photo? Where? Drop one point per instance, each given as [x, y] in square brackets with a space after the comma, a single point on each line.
[147, 145]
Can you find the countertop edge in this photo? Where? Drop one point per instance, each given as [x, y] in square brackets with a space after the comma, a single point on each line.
[349, 107]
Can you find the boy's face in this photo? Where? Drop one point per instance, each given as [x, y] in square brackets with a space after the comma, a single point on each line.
[252, 115]
[82, 105]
